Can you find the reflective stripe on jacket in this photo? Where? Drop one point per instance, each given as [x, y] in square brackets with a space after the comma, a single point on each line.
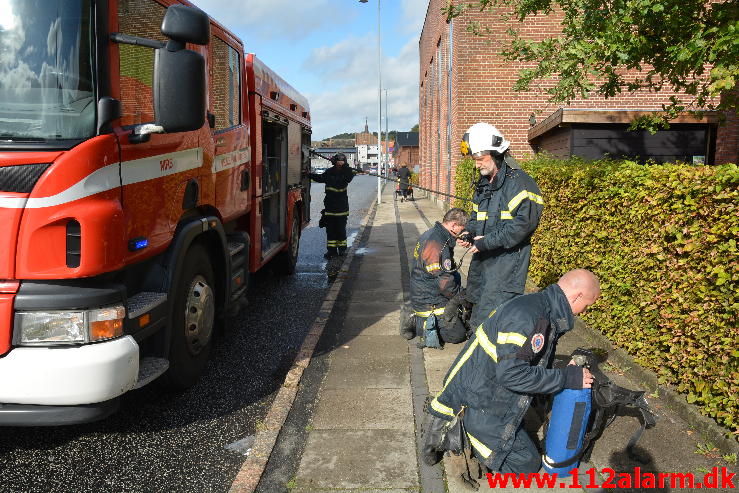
[337, 180]
[432, 286]
[502, 366]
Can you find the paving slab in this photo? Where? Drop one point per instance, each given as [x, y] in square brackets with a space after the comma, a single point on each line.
[368, 285]
[380, 294]
[371, 307]
[387, 325]
[379, 271]
[380, 372]
[368, 348]
[365, 409]
[358, 459]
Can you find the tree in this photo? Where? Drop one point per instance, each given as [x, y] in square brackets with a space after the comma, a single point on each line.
[691, 46]
[415, 128]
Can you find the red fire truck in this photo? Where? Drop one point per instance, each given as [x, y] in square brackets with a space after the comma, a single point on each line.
[147, 166]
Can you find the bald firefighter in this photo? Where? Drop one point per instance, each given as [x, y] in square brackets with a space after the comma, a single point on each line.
[506, 363]
[434, 282]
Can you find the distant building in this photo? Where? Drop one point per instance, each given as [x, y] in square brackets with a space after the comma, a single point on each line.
[318, 163]
[365, 138]
[406, 150]
[367, 156]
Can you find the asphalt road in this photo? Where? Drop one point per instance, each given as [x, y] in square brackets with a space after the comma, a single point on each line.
[161, 442]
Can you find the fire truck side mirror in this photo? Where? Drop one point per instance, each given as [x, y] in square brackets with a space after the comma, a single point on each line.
[186, 25]
[179, 90]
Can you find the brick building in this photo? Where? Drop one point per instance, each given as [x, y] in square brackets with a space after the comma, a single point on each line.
[365, 138]
[406, 150]
[463, 80]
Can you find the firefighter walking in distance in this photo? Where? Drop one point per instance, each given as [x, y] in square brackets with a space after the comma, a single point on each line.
[436, 285]
[507, 205]
[490, 385]
[336, 204]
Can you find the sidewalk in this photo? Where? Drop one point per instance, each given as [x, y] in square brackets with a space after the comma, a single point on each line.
[364, 431]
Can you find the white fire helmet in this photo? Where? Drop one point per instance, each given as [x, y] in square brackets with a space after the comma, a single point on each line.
[483, 137]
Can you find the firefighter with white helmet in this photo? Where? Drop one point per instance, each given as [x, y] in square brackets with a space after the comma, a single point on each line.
[507, 205]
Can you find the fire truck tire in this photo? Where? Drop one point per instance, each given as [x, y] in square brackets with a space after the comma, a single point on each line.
[193, 320]
[286, 261]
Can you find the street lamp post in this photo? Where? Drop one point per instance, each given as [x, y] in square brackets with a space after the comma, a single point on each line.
[387, 141]
[379, 105]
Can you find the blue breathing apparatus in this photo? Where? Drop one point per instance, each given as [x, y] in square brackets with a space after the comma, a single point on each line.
[579, 417]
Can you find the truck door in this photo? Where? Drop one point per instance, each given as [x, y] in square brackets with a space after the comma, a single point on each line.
[305, 179]
[230, 136]
[274, 182]
[154, 174]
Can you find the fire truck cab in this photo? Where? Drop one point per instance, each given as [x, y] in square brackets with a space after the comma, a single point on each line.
[147, 166]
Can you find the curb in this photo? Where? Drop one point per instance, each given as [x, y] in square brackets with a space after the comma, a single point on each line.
[247, 479]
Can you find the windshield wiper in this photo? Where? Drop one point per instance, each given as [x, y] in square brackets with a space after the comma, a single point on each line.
[21, 138]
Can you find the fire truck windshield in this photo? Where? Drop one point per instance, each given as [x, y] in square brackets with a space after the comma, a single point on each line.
[46, 70]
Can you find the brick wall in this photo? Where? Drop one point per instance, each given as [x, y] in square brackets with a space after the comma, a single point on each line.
[408, 155]
[481, 90]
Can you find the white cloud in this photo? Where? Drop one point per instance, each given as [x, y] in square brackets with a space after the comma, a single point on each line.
[274, 18]
[349, 69]
[414, 14]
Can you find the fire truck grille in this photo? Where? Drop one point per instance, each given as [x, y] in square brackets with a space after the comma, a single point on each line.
[21, 179]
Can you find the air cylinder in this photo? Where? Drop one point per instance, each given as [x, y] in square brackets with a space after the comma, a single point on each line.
[566, 431]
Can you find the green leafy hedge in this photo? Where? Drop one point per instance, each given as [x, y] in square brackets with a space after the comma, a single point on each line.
[464, 182]
[663, 240]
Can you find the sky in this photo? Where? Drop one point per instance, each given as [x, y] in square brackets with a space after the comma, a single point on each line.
[327, 50]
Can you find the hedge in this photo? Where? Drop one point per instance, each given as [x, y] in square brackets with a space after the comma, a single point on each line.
[663, 240]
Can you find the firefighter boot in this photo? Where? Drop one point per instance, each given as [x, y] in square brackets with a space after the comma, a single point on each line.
[433, 435]
[407, 323]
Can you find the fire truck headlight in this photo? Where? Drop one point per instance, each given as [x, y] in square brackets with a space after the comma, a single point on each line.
[77, 327]
[45, 328]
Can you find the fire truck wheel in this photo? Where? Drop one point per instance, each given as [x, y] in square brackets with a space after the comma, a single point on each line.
[286, 261]
[193, 320]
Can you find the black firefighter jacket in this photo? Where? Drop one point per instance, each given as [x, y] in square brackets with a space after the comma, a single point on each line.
[502, 366]
[506, 212]
[336, 201]
[432, 287]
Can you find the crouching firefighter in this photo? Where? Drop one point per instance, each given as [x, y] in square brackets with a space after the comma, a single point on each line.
[487, 391]
[436, 285]
[336, 204]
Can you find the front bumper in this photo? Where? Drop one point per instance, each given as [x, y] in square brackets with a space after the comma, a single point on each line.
[68, 376]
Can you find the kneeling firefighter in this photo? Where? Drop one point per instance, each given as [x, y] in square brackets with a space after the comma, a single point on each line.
[489, 387]
[436, 285]
[336, 204]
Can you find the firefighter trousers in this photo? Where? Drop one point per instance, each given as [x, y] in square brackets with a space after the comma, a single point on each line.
[335, 233]
[523, 457]
[484, 297]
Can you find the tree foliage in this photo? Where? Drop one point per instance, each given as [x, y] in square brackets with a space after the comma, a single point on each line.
[690, 46]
